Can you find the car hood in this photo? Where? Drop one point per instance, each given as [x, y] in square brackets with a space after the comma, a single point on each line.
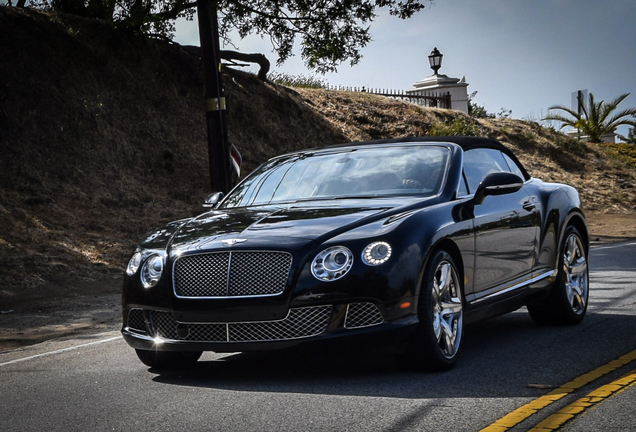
[279, 226]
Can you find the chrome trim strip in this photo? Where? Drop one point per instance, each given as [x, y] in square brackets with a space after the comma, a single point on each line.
[551, 273]
[347, 315]
[250, 322]
[174, 288]
[126, 332]
[227, 279]
[504, 186]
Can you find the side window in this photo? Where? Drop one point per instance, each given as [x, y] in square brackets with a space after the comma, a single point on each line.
[463, 189]
[478, 163]
[514, 168]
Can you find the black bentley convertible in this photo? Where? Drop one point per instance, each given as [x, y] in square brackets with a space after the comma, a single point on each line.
[398, 242]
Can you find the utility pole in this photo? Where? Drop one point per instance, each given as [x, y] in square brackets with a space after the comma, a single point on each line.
[218, 146]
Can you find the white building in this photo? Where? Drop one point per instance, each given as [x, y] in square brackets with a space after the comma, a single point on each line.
[436, 86]
[606, 138]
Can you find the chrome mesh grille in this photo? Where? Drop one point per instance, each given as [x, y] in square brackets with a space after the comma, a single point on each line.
[299, 323]
[207, 333]
[363, 315]
[202, 275]
[164, 325]
[136, 321]
[231, 274]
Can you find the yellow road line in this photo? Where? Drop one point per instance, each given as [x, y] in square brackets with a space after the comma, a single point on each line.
[566, 414]
[520, 414]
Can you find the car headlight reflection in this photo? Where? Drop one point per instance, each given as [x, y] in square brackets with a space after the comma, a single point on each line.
[133, 264]
[332, 263]
[151, 271]
[376, 253]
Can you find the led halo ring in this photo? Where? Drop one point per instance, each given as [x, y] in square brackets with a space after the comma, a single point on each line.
[332, 263]
[376, 253]
[151, 271]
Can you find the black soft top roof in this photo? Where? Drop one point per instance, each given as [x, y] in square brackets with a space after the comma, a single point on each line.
[465, 142]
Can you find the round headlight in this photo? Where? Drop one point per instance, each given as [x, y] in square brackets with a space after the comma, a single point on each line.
[133, 264]
[332, 263]
[376, 253]
[151, 271]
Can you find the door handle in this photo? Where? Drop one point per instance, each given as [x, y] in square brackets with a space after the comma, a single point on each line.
[529, 205]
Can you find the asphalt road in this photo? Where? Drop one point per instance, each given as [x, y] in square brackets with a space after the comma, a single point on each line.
[508, 364]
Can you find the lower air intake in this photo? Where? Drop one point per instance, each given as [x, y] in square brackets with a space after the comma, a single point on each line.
[136, 322]
[363, 315]
[299, 323]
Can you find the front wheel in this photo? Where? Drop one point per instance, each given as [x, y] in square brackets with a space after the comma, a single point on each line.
[168, 359]
[567, 302]
[436, 343]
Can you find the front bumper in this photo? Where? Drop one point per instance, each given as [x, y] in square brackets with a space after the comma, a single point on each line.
[151, 329]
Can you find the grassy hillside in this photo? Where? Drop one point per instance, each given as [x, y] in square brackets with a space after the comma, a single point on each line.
[102, 137]
[604, 174]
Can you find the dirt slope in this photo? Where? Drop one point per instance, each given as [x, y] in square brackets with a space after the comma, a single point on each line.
[102, 137]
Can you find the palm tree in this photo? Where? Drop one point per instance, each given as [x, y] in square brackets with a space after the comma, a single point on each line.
[595, 119]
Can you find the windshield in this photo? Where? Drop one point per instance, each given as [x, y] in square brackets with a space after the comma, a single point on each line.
[346, 173]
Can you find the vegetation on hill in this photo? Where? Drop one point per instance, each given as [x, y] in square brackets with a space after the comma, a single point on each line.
[595, 119]
[102, 136]
[605, 174]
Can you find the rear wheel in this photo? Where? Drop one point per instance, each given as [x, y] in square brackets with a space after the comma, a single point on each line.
[437, 340]
[168, 359]
[567, 302]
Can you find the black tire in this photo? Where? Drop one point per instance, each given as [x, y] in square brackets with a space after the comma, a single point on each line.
[168, 359]
[567, 302]
[437, 340]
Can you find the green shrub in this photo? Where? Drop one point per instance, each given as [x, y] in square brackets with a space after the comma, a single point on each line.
[459, 126]
[622, 151]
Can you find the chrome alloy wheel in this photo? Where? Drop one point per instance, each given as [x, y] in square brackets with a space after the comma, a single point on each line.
[447, 309]
[576, 274]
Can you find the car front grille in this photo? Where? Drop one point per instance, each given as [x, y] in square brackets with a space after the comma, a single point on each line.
[231, 274]
[363, 315]
[299, 323]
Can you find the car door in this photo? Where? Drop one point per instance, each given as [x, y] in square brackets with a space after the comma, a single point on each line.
[506, 229]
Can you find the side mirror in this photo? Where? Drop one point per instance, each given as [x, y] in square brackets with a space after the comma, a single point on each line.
[212, 200]
[497, 183]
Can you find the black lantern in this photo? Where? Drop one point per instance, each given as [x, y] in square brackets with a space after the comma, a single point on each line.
[435, 60]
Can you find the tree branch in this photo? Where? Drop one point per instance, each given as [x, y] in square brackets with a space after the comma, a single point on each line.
[259, 59]
[175, 11]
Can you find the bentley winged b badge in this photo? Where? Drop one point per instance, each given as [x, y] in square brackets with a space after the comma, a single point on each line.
[232, 242]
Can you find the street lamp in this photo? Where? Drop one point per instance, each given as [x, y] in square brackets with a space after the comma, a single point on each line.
[435, 60]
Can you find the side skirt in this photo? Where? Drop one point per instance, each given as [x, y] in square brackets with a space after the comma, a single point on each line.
[494, 294]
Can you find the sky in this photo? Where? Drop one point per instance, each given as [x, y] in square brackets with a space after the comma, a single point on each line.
[521, 55]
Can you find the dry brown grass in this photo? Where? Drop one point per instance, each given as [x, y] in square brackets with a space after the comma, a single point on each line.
[603, 173]
[102, 137]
